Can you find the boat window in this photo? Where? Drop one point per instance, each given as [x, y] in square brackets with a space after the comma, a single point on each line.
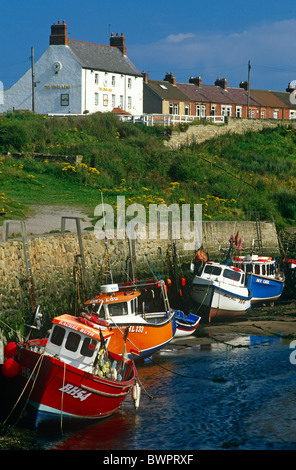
[88, 347]
[249, 268]
[263, 269]
[212, 270]
[257, 269]
[233, 275]
[243, 279]
[73, 341]
[118, 309]
[57, 335]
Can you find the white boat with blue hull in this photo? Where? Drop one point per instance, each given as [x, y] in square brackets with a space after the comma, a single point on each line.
[263, 277]
[220, 291]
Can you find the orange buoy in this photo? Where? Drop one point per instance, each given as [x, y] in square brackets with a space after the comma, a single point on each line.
[201, 256]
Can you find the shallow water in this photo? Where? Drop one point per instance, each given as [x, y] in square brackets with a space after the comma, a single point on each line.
[202, 398]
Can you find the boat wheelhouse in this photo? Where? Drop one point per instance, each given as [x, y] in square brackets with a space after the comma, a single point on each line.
[263, 277]
[220, 291]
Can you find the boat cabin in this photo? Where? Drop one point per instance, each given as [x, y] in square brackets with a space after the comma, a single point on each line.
[75, 343]
[111, 302]
[260, 266]
[121, 303]
[226, 274]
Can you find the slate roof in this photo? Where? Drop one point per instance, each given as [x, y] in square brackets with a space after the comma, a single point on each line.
[166, 90]
[99, 57]
[284, 96]
[216, 94]
[267, 98]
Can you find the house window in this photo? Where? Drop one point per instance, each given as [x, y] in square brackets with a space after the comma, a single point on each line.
[113, 80]
[105, 100]
[129, 102]
[292, 114]
[213, 110]
[226, 110]
[96, 78]
[262, 113]
[113, 101]
[65, 99]
[96, 99]
[200, 110]
[275, 114]
[186, 109]
[174, 108]
[121, 101]
[129, 82]
[238, 111]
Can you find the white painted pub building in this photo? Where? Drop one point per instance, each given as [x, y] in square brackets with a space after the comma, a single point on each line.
[76, 77]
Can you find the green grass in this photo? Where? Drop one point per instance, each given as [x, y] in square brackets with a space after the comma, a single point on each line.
[229, 175]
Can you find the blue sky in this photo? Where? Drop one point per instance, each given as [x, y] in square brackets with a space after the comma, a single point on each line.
[211, 38]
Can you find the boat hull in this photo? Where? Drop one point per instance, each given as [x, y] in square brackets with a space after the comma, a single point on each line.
[144, 339]
[216, 302]
[57, 390]
[265, 289]
[186, 324]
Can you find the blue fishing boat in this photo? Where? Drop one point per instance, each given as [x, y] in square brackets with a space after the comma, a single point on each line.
[264, 278]
[186, 324]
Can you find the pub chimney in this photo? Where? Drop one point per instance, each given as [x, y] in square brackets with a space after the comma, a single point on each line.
[59, 34]
[119, 42]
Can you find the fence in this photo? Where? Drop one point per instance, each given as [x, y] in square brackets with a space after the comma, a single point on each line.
[167, 119]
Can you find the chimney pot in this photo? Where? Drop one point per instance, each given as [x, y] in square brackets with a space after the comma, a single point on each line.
[221, 82]
[196, 81]
[244, 85]
[59, 34]
[119, 42]
[170, 78]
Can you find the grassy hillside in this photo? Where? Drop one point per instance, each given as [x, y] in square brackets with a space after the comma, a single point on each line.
[230, 175]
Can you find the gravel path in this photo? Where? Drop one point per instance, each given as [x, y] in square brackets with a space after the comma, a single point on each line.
[48, 219]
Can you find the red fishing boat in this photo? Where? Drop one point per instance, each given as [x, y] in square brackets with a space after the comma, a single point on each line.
[117, 307]
[70, 374]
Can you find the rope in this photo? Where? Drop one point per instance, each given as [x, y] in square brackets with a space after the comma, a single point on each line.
[39, 360]
[62, 398]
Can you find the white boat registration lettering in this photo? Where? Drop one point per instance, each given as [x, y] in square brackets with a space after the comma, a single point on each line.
[76, 392]
[262, 281]
[111, 299]
[136, 329]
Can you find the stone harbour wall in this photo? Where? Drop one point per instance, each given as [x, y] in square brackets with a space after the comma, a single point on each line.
[200, 133]
[55, 258]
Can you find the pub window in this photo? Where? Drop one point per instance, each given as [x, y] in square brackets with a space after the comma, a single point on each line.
[96, 99]
[129, 102]
[129, 82]
[96, 78]
[105, 100]
[65, 99]
[113, 80]
[113, 101]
